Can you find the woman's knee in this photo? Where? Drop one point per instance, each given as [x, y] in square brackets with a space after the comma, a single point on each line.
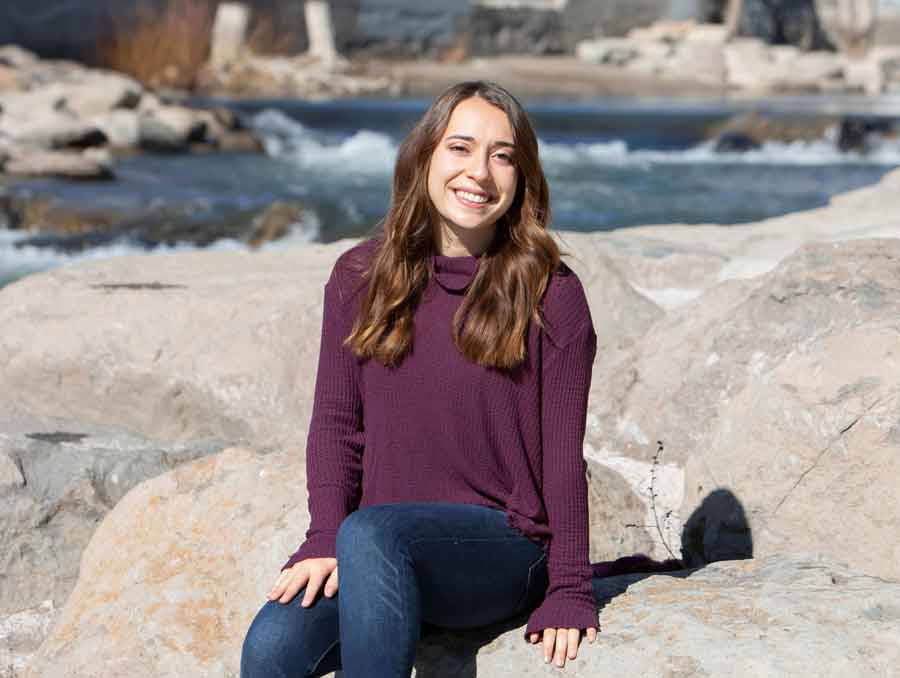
[264, 643]
[378, 527]
[285, 639]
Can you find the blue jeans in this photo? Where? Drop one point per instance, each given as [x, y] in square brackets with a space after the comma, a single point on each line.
[455, 566]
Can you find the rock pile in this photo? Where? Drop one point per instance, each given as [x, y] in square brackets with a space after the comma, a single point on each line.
[680, 49]
[58, 118]
[301, 76]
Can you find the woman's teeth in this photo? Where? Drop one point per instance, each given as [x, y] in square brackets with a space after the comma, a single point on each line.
[472, 197]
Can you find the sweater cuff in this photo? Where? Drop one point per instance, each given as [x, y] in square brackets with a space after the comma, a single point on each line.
[320, 546]
[561, 613]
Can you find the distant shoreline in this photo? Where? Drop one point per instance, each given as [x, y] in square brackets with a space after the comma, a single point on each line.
[539, 76]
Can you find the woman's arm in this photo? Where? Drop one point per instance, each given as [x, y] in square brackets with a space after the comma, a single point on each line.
[567, 360]
[336, 439]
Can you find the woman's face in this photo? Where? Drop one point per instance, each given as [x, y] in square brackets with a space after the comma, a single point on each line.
[472, 177]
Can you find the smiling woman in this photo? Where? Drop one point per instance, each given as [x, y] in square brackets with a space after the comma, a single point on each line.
[448, 419]
[472, 177]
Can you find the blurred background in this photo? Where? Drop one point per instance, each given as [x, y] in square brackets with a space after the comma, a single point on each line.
[163, 125]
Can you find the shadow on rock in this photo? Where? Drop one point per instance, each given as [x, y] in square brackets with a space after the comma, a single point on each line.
[716, 530]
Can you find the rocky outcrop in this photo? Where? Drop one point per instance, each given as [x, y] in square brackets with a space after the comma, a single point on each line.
[297, 76]
[166, 591]
[56, 116]
[58, 478]
[670, 49]
[744, 403]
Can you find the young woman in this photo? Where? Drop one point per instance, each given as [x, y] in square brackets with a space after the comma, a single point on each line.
[444, 459]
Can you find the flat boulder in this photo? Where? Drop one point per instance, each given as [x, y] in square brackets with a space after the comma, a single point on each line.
[68, 165]
[166, 590]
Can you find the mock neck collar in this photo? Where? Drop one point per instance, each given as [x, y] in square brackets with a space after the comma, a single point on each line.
[454, 273]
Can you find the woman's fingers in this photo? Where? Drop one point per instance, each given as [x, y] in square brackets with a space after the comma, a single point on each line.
[289, 582]
[312, 587]
[559, 655]
[310, 573]
[331, 586]
[560, 644]
[278, 587]
[549, 644]
[574, 639]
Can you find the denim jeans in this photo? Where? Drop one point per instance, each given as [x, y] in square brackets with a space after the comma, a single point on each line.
[455, 566]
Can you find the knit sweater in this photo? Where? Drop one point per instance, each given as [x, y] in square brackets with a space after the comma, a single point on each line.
[439, 427]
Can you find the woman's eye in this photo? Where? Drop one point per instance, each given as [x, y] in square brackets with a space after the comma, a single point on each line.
[504, 157]
[457, 148]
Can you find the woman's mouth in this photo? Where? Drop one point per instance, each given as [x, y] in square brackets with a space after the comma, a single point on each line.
[471, 200]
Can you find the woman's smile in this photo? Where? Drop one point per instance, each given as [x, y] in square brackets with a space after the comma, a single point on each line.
[472, 200]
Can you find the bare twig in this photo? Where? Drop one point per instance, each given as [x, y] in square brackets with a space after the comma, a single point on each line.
[659, 451]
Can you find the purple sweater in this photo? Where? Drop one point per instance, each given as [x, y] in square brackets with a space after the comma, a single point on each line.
[441, 428]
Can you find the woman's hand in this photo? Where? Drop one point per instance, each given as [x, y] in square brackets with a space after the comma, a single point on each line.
[564, 642]
[310, 573]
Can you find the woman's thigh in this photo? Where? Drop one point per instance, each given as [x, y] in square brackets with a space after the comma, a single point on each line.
[471, 568]
[287, 640]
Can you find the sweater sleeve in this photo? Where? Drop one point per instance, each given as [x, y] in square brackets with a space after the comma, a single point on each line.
[566, 373]
[336, 439]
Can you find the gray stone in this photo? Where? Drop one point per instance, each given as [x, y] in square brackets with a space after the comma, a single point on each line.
[21, 634]
[121, 127]
[51, 129]
[170, 128]
[96, 92]
[59, 164]
[71, 474]
[16, 57]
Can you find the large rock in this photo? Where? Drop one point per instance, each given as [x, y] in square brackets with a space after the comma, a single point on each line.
[752, 65]
[821, 449]
[70, 165]
[166, 591]
[250, 380]
[95, 92]
[50, 129]
[121, 127]
[58, 478]
[174, 574]
[699, 383]
[22, 105]
[785, 615]
[170, 128]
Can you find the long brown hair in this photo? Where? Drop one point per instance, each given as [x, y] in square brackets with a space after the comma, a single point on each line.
[490, 326]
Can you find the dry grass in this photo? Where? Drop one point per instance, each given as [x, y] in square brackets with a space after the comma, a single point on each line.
[163, 44]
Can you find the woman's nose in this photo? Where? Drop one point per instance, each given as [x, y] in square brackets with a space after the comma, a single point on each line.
[478, 166]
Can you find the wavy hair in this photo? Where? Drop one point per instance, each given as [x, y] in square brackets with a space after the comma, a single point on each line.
[490, 326]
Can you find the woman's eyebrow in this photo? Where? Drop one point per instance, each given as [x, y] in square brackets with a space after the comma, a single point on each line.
[464, 137]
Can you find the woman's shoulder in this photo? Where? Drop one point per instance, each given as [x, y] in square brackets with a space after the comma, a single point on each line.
[564, 307]
[350, 271]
